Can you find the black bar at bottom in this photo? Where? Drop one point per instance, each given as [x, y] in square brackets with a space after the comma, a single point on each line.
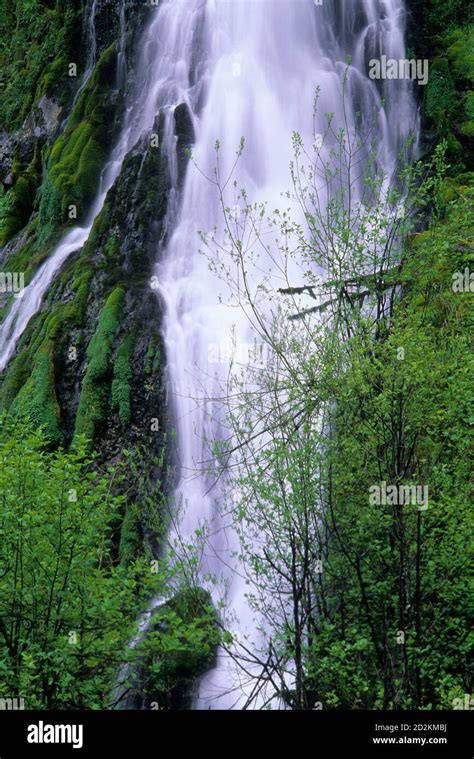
[385, 734]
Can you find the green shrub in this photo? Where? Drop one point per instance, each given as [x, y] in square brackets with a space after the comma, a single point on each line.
[57, 518]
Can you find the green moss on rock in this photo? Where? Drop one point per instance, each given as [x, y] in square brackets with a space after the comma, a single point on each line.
[153, 356]
[180, 647]
[78, 155]
[130, 536]
[37, 398]
[112, 247]
[17, 374]
[15, 207]
[123, 373]
[95, 387]
[34, 33]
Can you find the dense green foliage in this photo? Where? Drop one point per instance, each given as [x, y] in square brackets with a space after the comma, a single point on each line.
[442, 32]
[449, 97]
[68, 608]
[431, 18]
[399, 569]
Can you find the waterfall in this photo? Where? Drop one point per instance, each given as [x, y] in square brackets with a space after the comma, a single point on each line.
[90, 36]
[121, 57]
[260, 64]
[242, 68]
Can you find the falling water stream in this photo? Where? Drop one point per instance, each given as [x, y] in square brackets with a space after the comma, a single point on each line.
[243, 68]
[91, 40]
[261, 62]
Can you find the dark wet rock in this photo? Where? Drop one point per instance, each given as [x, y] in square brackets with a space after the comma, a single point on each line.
[166, 679]
[184, 129]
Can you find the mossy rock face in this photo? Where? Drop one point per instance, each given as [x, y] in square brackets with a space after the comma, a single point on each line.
[38, 37]
[17, 374]
[79, 154]
[37, 398]
[16, 207]
[42, 40]
[121, 387]
[117, 399]
[180, 646]
[39, 40]
[449, 97]
[90, 413]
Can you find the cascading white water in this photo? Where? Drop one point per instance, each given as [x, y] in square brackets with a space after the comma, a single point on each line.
[263, 61]
[121, 56]
[243, 68]
[91, 38]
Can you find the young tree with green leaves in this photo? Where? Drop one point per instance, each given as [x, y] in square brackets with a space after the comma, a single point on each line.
[353, 598]
[69, 608]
